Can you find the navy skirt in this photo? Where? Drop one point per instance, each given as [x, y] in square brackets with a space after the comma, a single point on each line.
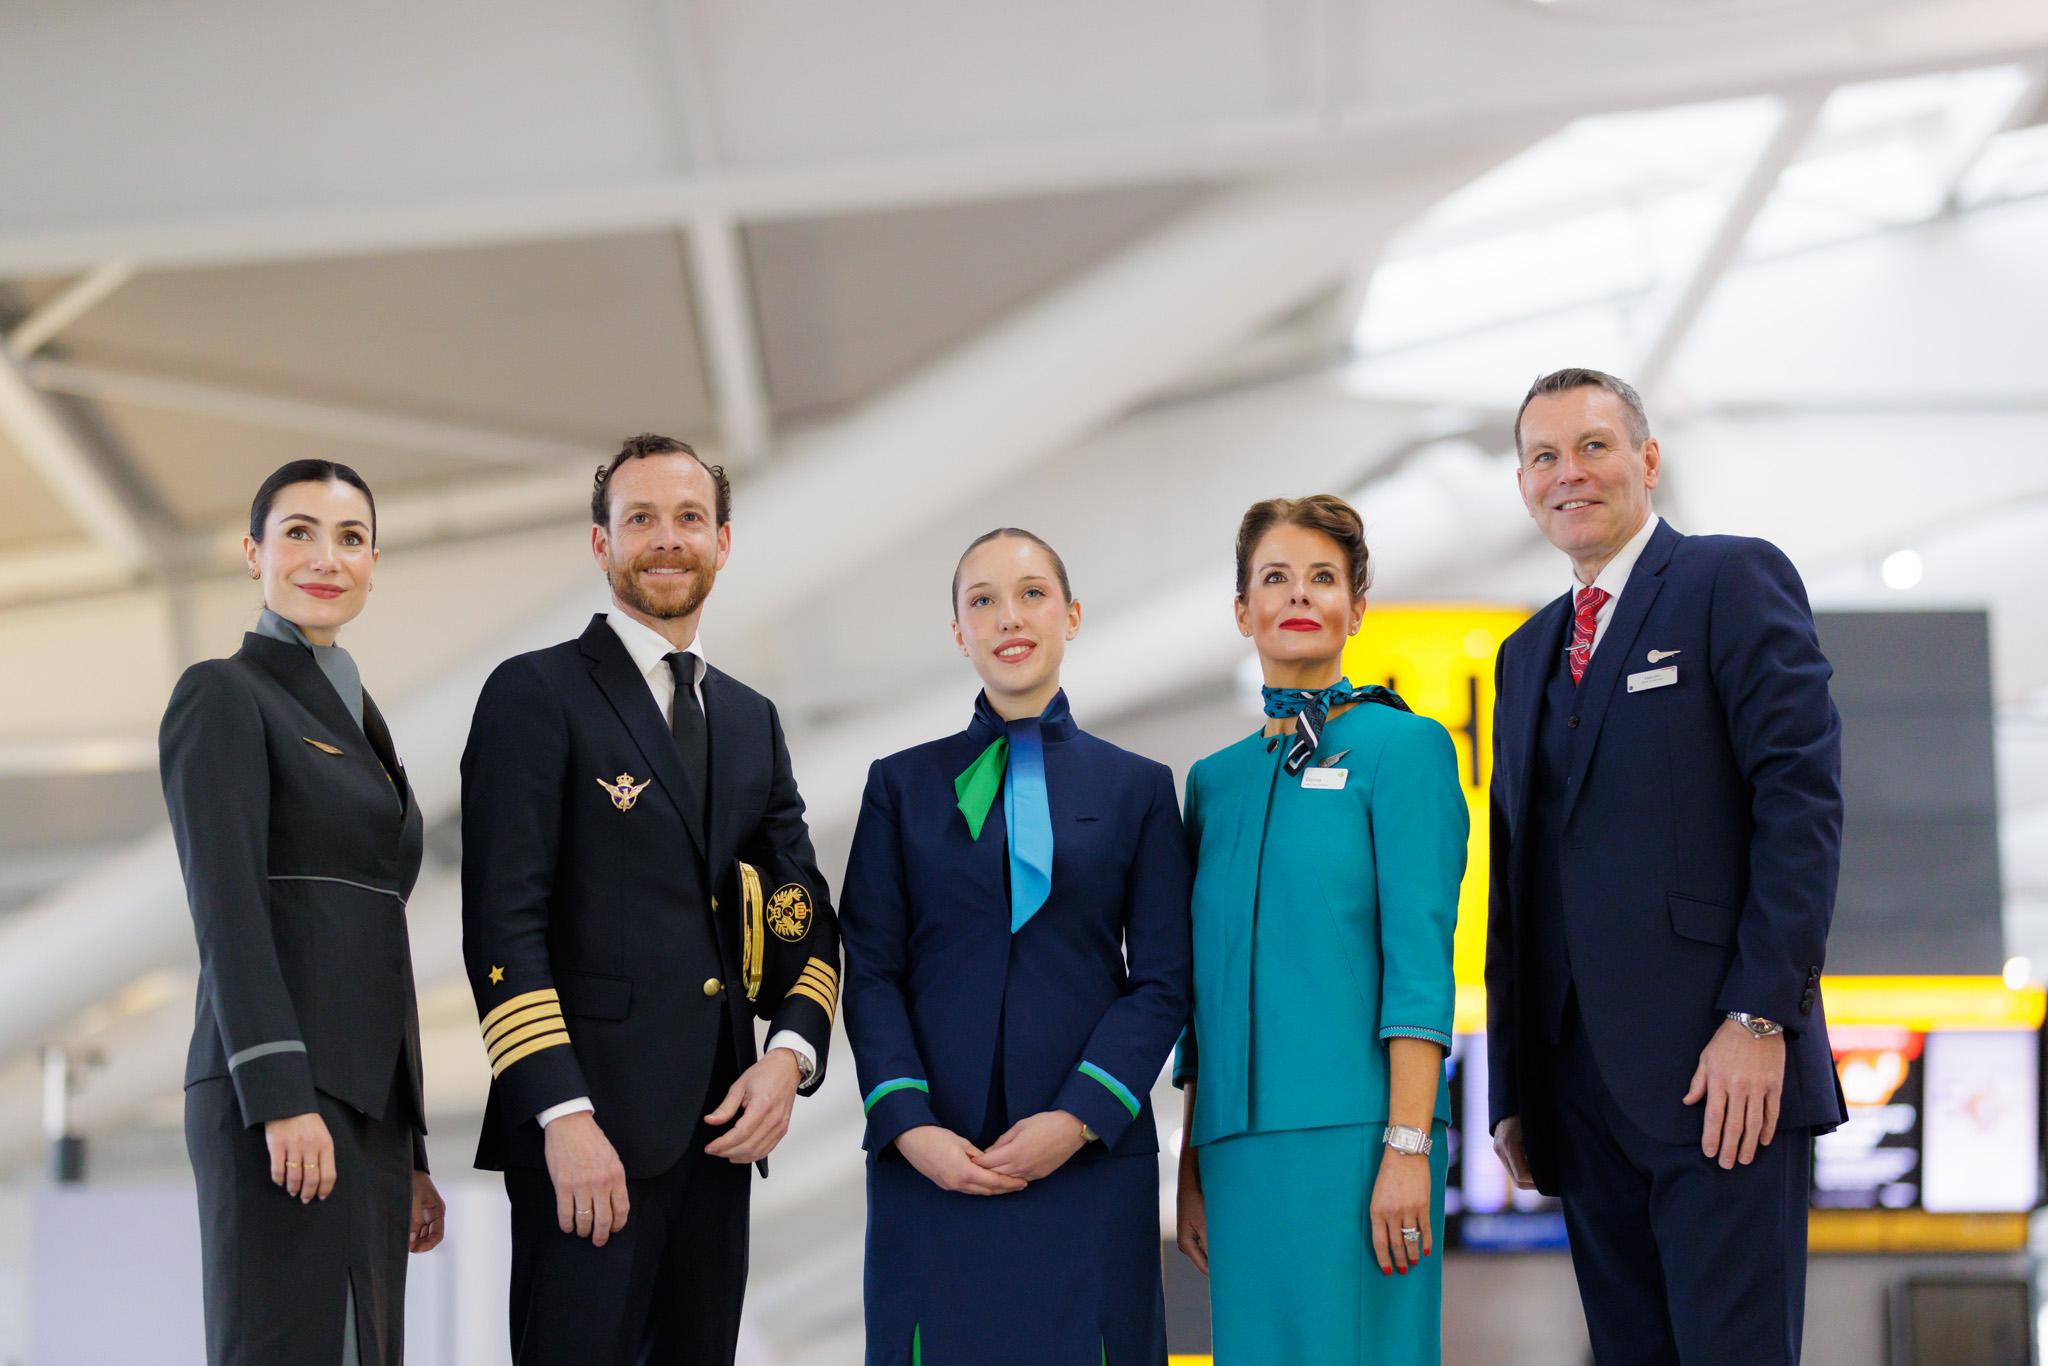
[1062, 1273]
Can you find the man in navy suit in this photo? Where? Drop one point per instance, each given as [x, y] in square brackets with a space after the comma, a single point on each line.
[1667, 819]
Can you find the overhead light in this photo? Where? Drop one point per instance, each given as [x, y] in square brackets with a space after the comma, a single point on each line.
[1902, 569]
[2018, 972]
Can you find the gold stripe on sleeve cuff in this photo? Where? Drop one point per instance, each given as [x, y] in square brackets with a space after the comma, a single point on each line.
[517, 1003]
[806, 989]
[550, 1040]
[513, 1038]
[518, 1019]
[824, 970]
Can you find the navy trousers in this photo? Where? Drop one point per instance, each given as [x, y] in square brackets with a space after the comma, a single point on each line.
[1679, 1263]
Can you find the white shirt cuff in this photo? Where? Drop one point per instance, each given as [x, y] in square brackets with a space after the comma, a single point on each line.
[578, 1106]
[806, 1056]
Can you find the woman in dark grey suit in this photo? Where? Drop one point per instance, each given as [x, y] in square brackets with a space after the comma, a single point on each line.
[300, 841]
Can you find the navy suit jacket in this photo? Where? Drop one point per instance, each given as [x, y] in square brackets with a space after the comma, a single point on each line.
[1699, 840]
[1090, 994]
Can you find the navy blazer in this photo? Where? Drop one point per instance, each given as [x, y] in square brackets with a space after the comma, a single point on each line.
[598, 926]
[1700, 837]
[1091, 993]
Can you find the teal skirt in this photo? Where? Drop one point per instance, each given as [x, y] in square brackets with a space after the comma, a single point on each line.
[1292, 1277]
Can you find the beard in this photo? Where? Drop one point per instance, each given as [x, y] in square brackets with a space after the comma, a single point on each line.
[663, 598]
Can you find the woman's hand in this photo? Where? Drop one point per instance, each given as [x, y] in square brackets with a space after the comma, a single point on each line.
[429, 1214]
[1036, 1146]
[1400, 1200]
[301, 1156]
[951, 1163]
[1191, 1212]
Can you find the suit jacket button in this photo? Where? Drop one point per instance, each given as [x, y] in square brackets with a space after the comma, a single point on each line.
[712, 986]
[1573, 723]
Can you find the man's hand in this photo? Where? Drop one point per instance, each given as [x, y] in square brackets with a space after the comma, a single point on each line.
[301, 1156]
[1742, 1078]
[1507, 1146]
[1036, 1146]
[1191, 1212]
[951, 1163]
[766, 1093]
[590, 1181]
[429, 1215]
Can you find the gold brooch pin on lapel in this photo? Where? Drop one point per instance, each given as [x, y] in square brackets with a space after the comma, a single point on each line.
[324, 749]
[624, 791]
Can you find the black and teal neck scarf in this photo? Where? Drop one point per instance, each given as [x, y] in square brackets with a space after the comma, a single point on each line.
[1311, 710]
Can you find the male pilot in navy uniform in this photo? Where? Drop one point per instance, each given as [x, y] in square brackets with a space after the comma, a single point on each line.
[1667, 824]
[638, 884]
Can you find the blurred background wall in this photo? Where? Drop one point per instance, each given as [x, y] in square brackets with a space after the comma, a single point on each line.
[912, 269]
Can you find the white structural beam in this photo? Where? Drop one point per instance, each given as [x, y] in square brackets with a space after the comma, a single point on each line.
[725, 320]
[301, 416]
[1795, 123]
[943, 437]
[67, 306]
[50, 447]
[2026, 100]
[1064, 366]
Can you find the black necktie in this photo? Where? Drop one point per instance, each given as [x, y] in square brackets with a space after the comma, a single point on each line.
[687, 723]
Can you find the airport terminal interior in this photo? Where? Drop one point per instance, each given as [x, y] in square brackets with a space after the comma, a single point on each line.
[1108, 270]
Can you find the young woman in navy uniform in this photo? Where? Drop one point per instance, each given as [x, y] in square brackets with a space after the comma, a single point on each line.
[1015, 918]
[300, 841]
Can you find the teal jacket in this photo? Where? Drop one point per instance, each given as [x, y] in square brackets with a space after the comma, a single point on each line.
[1323, 920]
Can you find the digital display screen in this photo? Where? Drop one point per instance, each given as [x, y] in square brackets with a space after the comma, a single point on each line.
[1873, 1160]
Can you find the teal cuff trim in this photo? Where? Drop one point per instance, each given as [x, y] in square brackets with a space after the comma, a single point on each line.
[1415, 1032]
[1116, 1088]
[899, 1084]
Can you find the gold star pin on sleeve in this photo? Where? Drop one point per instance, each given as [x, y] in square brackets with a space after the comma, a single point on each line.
[497, 975]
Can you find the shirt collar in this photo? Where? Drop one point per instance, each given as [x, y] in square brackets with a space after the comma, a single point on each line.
[1614, 576]
[649, 648]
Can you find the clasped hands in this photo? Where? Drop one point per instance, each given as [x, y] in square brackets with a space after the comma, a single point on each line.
[590, 1181]
[1742, 1079]
[1034, 1148]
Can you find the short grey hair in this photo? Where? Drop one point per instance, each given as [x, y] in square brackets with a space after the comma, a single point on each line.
[1560, 381]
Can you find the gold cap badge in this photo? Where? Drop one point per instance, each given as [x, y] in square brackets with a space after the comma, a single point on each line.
[624, 791]
[789, 912]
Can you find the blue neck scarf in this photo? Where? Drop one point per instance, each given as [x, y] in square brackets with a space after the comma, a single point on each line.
[1311, 710]
[1015, 761]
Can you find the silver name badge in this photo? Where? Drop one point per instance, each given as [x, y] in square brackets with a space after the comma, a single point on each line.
[1653, 678]
[1324, 779]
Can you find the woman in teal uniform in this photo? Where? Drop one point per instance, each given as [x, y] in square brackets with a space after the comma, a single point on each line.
[1329, 847]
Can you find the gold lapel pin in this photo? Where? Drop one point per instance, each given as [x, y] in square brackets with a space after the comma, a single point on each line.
[624, 791]
[324, 749]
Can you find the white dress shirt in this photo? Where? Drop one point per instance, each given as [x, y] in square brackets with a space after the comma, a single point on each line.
[1613, 577]
[650, 650]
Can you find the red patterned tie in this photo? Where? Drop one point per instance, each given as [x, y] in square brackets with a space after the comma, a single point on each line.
[1584, 619]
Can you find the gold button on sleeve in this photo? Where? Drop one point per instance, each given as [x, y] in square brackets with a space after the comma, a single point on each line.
[712, 986]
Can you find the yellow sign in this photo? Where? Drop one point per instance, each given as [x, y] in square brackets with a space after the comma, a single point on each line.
[1440, 659]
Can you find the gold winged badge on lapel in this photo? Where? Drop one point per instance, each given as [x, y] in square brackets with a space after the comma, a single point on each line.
[624, 791]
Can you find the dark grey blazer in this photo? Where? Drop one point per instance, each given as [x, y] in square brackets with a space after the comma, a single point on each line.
[300, 842]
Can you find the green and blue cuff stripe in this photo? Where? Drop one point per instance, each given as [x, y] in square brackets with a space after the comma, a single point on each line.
[897, 1084]
[1116, 1088]
[1435, 1036]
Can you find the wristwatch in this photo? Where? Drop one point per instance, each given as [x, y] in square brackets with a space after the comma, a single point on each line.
[1088, 1135]
[1405, 1138]
[1756, 1024]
